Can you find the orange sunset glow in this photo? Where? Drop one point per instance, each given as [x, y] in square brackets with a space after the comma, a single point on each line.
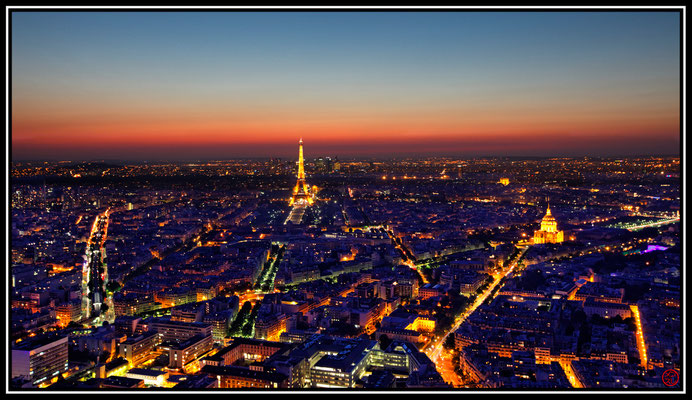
[110, 92]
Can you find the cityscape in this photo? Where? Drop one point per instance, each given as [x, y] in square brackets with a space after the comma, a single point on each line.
[362, 259]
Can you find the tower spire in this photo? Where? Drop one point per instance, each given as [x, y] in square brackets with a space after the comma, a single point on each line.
[301, 166]
[300, 191]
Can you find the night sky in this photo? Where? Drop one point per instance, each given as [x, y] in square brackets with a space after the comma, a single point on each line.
[192, 85]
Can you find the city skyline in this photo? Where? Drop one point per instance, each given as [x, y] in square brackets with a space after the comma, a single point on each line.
[375, 199]
[196, 85]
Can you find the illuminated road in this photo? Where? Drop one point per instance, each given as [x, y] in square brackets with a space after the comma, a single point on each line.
[641, 344]
[265, 281]
[95, 274]
[252, 297]
[446, 369]
[435, 349]
[296, 214]
[653, 224]
[407, 258]
[571, 376]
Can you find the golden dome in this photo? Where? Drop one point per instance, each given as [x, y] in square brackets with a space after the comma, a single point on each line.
[548, 216]
[548, 232]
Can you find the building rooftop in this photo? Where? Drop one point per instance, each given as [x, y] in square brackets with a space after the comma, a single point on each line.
[242, 372]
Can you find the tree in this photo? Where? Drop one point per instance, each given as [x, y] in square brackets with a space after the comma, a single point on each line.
[444, 302]
[74, 324]
[449, 343]
[113, 286]
[103, 356]
[385, 341]
[247, 329]
[532, 279]
[578, 317]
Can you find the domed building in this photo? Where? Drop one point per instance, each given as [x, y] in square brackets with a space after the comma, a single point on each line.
[548, 232]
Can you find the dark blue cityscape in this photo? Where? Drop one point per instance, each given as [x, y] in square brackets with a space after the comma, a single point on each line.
[380, 220]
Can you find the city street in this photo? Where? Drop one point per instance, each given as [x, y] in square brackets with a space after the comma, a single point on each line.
[436, 348]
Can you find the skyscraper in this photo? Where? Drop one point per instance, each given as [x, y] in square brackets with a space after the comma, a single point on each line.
[40, 359]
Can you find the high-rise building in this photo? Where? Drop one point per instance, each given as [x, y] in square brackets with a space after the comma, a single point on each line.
[320, 164]
[40, 359]
[177, 331]
[183, 353]
[137, 349]
[69, 312]
[328, 164]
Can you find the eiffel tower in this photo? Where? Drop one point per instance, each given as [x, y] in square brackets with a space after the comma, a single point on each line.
[301, 194]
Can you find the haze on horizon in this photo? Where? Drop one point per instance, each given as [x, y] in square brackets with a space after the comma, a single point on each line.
[220, 85]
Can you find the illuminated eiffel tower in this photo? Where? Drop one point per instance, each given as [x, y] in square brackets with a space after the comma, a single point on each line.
[301, 194]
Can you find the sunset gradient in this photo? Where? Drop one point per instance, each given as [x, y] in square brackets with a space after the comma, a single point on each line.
[198, 85]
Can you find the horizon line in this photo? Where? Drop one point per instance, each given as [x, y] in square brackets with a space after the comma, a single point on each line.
[256, 158]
